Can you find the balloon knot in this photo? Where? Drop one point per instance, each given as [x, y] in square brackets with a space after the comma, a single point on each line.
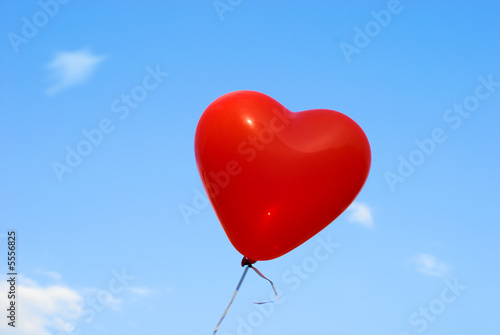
[246, 261]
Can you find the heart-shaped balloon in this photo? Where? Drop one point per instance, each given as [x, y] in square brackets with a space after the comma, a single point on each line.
[274, 177]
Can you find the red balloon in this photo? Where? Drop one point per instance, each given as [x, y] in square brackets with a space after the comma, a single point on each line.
[276, 178]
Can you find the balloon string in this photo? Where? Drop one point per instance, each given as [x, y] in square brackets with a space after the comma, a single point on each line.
[260, 274]
[234, 295]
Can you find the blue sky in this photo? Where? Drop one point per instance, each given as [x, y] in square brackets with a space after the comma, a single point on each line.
[103, 247]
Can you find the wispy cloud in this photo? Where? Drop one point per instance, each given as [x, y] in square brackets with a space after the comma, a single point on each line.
[139, 290]
[49, 274]
[104, 298]
[429, 265]
[361, 214]
[69, 69]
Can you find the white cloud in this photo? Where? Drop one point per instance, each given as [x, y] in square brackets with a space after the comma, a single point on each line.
[55, 308]
[430, 265]
[42, 309]
[71, 68]
[361, 214]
